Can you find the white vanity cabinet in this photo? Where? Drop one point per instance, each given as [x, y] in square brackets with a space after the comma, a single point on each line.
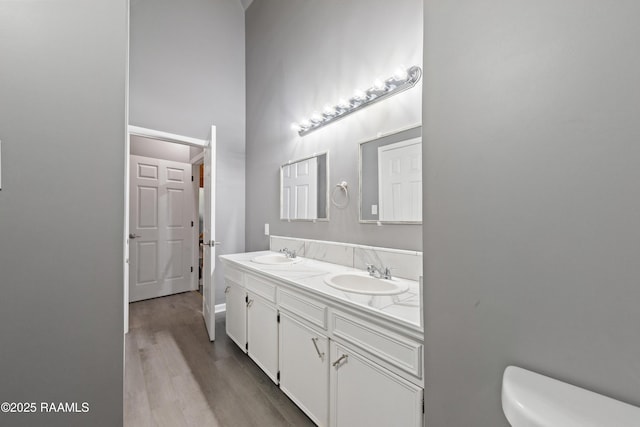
[366, 394]
[342, 365]
[304, 367]
[262, 325]
[252, 318]
[236, 314]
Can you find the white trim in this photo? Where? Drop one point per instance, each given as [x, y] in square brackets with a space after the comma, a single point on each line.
[195, 230]
[197, 159]
[125, 231]
[221, 308]
[166, 136]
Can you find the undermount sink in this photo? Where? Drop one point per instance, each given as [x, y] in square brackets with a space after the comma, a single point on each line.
[275, 259]
[363, 283]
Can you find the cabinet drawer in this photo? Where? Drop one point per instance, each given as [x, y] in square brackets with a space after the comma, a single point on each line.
[310, 310]
[233, 275]
[386, 346]
[260, 287]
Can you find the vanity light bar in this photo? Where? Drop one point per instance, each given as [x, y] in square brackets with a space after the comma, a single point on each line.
[399, 82]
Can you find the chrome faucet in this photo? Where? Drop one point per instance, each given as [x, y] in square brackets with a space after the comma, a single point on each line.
[288, 253]
[380, 273]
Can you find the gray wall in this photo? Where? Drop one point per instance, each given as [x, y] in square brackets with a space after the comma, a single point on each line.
[532, 200]
[188, 73]
[301, 56]
[156, 149]
[62, 126]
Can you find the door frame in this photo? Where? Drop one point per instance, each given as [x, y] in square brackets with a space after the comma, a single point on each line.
[153, 134]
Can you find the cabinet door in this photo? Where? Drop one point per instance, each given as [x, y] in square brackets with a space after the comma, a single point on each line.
[304, 368]
[262, 334]
[236, 314]
[365, 394]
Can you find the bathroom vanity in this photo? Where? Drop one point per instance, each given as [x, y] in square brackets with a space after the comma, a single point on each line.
[345, 358]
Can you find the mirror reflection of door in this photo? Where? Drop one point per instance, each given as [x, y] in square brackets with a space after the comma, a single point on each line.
[391, 178]
[300, 190]
[400, 181]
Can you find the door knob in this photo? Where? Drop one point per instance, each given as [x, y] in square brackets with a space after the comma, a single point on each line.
[133, 236]
[212, 243]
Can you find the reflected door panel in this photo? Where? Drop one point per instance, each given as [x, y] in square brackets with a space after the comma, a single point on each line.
[299, 191]
[400, 181]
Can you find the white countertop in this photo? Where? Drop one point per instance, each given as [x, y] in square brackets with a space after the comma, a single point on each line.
[309, 275]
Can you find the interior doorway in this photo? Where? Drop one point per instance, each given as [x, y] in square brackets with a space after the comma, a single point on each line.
[168, 178]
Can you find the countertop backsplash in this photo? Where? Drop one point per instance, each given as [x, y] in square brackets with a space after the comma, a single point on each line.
[404, 264]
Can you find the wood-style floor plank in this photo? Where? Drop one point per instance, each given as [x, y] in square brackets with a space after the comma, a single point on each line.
[175, 377]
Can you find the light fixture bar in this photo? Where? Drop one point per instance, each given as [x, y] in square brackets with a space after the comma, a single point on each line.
[399, 82]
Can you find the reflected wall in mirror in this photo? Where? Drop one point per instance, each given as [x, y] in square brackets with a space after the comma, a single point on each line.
[303, 189]
[391, 178]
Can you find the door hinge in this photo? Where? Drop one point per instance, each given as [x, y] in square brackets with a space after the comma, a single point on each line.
[192, 268]
[278, 317]
[246, 346]
[278, 376]
[246, 298]
[192, 223]
[423, 402]
[191, 178]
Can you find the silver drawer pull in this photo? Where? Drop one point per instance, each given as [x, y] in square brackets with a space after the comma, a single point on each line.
[315, 344]
[249, 303]
[226, 290]
[339, 361]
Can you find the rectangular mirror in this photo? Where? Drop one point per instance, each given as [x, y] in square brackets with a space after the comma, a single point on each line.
[304, 189]
[391, 178]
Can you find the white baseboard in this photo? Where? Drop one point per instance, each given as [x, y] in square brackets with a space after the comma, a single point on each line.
[220, 308]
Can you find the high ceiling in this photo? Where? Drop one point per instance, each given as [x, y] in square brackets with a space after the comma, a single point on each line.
[246, 3]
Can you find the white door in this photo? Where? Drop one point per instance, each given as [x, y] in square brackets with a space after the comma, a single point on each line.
[160, 221]
[209, 239]
[365, 394]
[400, 181]
[300, 190]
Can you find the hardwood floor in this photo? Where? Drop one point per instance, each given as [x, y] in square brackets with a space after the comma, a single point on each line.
[175, 377]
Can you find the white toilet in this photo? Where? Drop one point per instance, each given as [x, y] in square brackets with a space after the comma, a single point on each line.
[534, 400]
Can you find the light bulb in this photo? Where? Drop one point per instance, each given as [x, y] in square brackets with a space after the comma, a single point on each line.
[378, 84]
[343, 104]
[360, 95]
[329, 110]
[305, 123]
[295, 127]
[400, 73]
[316, 117]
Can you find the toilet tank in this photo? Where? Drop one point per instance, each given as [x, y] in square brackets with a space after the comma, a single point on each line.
[533, 400]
